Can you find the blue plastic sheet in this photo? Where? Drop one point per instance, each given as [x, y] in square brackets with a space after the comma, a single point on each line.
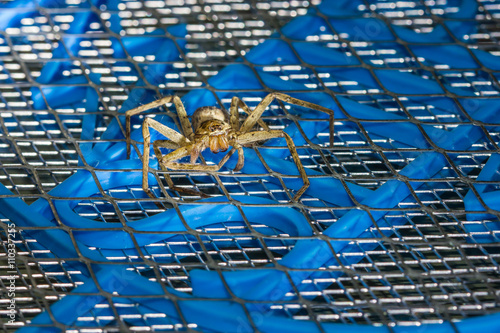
[222, 316]
[269, 284]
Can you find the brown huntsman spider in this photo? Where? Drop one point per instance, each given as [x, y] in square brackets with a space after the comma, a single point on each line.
[213, 130]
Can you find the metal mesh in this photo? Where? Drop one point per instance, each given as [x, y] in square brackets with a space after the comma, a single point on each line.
[425, 261]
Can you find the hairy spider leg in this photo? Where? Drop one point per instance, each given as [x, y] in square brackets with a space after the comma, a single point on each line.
[254, 117]
[235, 125]
[235, 116]
[250, 137]
[176, 139]
[187, 129]
[171, 145]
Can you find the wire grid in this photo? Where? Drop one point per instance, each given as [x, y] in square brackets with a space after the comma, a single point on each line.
[419, 264]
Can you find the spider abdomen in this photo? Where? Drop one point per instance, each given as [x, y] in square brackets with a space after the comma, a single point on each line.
[206, 113]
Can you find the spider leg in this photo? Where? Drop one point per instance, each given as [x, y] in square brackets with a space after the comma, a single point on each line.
[235, 125]
[253, 118]
[241, 156]
[168, 160]
[169, 144]
[176, 138]
[139, 109]
[234, 119]
[241, 159]
[234, 116]
[187, 129]
[181, 112]
[250, 137]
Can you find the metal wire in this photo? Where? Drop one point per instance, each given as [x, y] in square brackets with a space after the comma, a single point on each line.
[419, 264]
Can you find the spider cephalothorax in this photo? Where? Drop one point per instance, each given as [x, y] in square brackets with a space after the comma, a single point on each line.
[213, 129]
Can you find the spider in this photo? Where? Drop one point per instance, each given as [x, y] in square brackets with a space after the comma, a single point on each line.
[214, 129]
